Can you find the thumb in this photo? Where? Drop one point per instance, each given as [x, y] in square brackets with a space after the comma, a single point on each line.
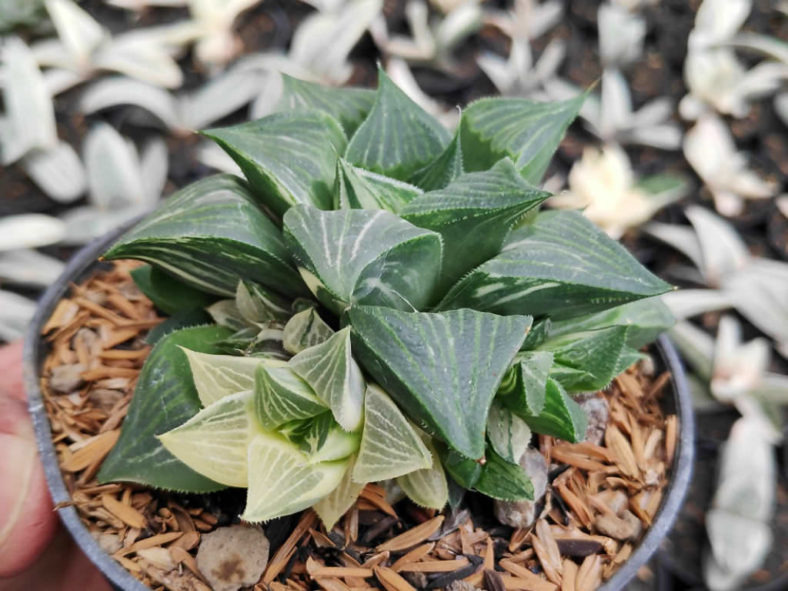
[27, 521]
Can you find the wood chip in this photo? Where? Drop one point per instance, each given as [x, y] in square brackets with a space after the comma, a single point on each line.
[126, 513]
[414, 555]
[94, 450]
[412, 537]
[533, 582]
[671, 436]
[435, 566]
[391, 581]
[625, 457]
[341, 571]
[589, 575]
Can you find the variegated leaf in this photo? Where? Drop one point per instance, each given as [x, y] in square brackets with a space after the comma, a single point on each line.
[503, 480]
[282, 481]
[211, 234]
[441, 368]
[645, 320]
[226, 313]
[526, 131]
[321, 438]
[357, 188]
[587, 361]
[305, 329]
[281, 396]
[560, 265]
[331, 371]
[473, 214]
[427, 487]
[364, 257]
[349, 106]
[259, 305]
[446, 167]
[215, 441]
[164, 399]
[561, 416]
[390, 446]
[333, 506]
[509, 435]
[523, 388]
[288, 158]
[217, 376]
[398, 137]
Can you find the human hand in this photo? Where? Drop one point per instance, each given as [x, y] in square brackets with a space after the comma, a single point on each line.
[35, 552]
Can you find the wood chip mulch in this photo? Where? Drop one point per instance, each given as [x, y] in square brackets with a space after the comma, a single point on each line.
[599, 501]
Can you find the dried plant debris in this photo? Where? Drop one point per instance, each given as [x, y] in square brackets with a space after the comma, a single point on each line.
[597, 502]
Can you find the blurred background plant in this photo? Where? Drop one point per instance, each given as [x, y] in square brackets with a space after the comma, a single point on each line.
[686, 112]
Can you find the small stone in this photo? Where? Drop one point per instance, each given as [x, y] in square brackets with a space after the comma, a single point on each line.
[110, 543]
[459, 585]
[66, 378]
[233, 557]
[598, 412]
[522, 514]
[104, 398]
[626, 527]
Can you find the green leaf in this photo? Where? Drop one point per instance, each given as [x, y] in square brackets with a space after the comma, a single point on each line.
[217, 376]
[473, 214]
[347, 105]
[427, 487]
[184, 319]
[321, 438]
[390, 446]
[508, 434]
[561, 416]
[446, 167]
[282, 481]
[214, 442]
[645, 319]
[333, 506]
[562, 266]
[587, 361]
[398, 137]
[463, 470]
[357, 188]
[211, 234]
[281, 396]
[258, 305]
[523, 388]
[369, 257]
[538, 333]
[288, 158]
[305, 329]
[329, 368]
[440, 368]
[526, 131]
[505, 481]
[167, 293]
[164, 399]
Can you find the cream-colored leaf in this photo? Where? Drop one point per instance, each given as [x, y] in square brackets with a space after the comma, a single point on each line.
[333, 506]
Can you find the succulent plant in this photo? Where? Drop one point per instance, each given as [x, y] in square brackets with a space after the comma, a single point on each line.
[387, 303]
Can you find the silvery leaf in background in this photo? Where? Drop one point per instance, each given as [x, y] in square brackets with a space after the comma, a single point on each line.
[756, 287]
[211, 155]
[29, 118]
[738, 366]
[430, 42]
[15, 314]
[710, 150]
[20, 13]
[610, 116]
[400, 73]
[519, 75]
[781, 106]
[621, 35]
[323, 41]
[217, 43]
[140, 5]
[84, 47]
[189, 110]
[29, 230]
[738, 525]
[29, 267]
[57, 171]
[121, 183]
[530, 19]
[715, 77]
[604, 186]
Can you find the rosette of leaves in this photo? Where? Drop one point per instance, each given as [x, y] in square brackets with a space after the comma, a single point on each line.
[378, 299]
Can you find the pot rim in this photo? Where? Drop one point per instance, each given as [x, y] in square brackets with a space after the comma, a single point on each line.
[85, 259]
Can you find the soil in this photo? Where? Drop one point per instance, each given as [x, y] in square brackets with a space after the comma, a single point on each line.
[583, 532]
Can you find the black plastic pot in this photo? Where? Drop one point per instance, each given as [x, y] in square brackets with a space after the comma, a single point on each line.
[85, 262]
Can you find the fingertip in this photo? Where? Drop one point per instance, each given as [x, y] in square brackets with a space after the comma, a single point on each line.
[11, 383]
